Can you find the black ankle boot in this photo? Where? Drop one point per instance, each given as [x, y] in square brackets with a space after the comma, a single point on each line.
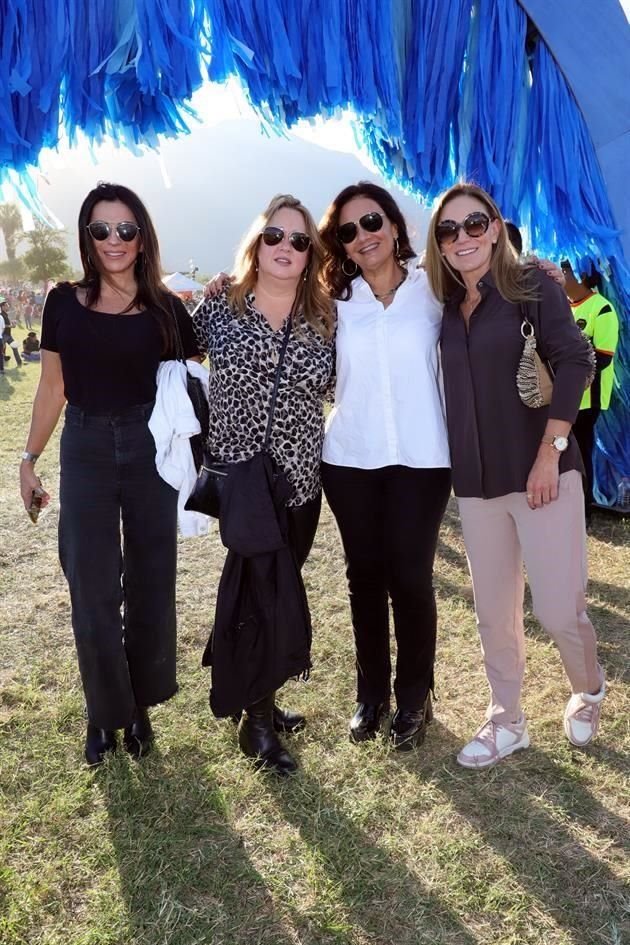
[138, 736]
[258, 739]
[98, 742]
[409, 726]
[366, 721]
[284, 720]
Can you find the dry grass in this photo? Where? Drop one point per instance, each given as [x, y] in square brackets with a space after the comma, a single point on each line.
[363, 847]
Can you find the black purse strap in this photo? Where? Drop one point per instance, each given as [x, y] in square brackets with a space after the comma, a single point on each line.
[179, 344]
[276, 383]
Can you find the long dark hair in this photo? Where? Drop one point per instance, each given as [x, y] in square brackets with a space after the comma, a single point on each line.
[337, 282]
[151, 293]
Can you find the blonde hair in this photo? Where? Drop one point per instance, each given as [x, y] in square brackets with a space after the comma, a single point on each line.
[312, 300]
[511, 277]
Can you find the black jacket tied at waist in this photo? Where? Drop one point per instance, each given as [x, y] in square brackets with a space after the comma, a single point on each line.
[262, 629]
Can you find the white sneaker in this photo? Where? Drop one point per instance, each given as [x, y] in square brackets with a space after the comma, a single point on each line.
[581, 716]
[493, 741]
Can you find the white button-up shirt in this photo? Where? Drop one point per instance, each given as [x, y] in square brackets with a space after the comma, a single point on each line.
[388, 405]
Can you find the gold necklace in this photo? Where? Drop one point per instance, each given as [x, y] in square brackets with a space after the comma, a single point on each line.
[386, 295]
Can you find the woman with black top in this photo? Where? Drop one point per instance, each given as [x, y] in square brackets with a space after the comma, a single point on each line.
[277, 272]
[122, 592]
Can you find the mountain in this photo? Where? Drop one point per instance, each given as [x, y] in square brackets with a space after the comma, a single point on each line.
[220, 177]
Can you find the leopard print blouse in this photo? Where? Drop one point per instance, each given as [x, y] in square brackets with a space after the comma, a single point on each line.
[243, 352]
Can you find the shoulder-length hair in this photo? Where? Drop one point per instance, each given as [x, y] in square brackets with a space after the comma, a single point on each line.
[337, 282]
[511, 277]
[151, 293]
[311, 300]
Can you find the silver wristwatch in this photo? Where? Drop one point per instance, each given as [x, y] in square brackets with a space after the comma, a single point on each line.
[29, 457]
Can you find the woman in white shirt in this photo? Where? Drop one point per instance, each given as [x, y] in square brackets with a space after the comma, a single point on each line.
[386, 468]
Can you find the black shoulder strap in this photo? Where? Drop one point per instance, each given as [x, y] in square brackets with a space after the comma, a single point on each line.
[276, 383]
[179, 344]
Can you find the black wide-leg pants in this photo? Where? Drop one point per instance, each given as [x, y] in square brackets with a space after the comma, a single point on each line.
[118, 550]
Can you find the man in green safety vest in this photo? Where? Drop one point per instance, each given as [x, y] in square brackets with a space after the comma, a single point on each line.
[598, 320]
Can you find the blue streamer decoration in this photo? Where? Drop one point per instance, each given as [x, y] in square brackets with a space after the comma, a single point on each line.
[439, 90]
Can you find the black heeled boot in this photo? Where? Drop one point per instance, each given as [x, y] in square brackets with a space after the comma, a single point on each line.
[409, 726]
[98, 742]
[284, 720]
[138, 737]
[366, 721]
[258, 739]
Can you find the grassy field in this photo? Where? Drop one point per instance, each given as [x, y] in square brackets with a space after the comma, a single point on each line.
[363, 847]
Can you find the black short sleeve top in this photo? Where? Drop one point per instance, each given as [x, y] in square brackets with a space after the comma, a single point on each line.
[109, 362]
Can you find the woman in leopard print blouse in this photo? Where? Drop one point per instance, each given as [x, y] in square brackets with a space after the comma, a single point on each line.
[242, 331]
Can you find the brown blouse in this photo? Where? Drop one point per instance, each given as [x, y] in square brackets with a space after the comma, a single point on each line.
[493, 436]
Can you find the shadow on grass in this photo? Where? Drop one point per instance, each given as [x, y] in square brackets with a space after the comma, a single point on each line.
[377, 895]
[184, 873]
[508, 806]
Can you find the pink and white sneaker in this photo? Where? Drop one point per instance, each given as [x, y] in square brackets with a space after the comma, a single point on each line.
[581, 716]
[493, 741]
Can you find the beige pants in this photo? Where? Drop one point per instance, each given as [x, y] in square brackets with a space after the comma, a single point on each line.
[499, 535]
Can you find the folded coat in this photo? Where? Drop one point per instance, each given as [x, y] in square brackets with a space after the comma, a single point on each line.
[262, 629]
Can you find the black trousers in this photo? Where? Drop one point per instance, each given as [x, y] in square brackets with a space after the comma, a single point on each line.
[389, 520]
[118, 550]
[584, 431]
[303, 521]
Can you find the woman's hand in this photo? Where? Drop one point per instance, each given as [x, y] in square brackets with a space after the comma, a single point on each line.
[550, 269]
[216, 284]
[30, 483]
[542, 482]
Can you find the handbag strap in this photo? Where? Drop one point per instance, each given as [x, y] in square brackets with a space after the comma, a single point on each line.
[276, 383]
[179, 344]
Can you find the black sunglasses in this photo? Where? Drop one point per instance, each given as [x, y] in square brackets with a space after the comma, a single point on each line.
[273, 235]
[99, 230]
[371, 222]
[475, 225]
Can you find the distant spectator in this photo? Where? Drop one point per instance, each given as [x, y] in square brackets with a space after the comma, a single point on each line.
[514, 236]
[598, 320]
[28, 315]
[6, 333]
[30, 347]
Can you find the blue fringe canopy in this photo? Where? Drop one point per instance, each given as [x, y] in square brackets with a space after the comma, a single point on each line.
[440, 91]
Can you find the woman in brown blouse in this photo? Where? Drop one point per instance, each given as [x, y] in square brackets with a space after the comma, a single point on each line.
[517, 471]
[277, 272]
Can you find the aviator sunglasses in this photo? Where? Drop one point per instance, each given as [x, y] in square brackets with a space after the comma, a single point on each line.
[273, 236]
[370, 222]
[475, 225]
[99, 230]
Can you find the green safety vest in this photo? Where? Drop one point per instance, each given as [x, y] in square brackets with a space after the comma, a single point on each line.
[598, 320]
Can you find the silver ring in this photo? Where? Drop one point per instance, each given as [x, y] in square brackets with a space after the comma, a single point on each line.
[530, 495]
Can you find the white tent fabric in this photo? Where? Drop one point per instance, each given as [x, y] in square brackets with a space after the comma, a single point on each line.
[180, 283]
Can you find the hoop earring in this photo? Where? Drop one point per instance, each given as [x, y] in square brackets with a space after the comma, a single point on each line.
[396, 249]
[345, 271]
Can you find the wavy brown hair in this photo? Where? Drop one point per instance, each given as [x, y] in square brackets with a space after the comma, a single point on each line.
[337, 282]
[511, 277]
[311, 300]
[151, 293]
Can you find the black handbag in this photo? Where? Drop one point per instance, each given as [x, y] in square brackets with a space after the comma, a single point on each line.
[212, 476]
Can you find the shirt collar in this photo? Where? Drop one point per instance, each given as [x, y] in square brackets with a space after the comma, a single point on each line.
[484, 284]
